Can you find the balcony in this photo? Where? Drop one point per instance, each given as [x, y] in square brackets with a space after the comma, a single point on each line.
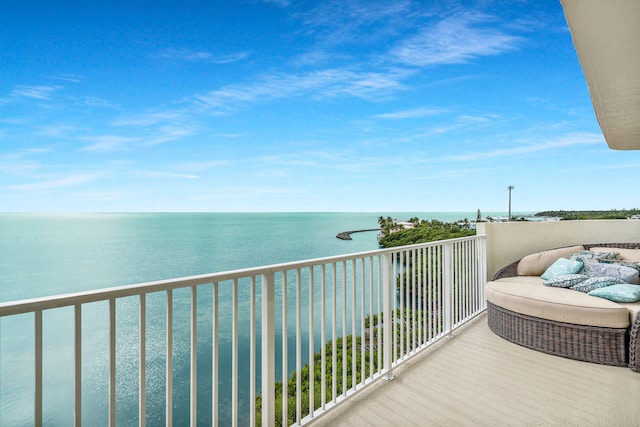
[479, 379]
[200, 350]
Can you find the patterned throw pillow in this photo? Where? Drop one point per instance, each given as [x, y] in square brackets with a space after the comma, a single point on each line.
[595, 283]
[618, 293]
[622, 272]
[585, 255]
[566, 280]
[561, 267]
[634, 265]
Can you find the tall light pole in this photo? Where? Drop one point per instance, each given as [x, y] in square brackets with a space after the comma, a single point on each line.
[511, 187]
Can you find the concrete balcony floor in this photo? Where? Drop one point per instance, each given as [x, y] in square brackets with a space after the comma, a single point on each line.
[480, 379]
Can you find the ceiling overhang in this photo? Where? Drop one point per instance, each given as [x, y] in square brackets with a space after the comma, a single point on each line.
[606, 36]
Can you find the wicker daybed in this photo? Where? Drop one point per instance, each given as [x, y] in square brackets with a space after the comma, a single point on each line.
[606, 337]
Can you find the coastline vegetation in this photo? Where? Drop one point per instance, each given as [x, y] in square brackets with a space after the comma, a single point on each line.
[394, 234]
[574, 215]
[344, 352]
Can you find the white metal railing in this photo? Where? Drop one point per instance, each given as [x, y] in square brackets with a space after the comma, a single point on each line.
[211, 339]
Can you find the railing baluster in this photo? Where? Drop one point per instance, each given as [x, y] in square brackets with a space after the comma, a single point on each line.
[442, 301]
[455, 294]
[460, 282]
[470, 277]
[371, 315]
[234, 355]
[285, 364]
[362, 338]
[169, 361]
[464, 279]
[481, 273]
[38, 368]
[381, 273]
[142, 370]
[448, 288]
[323, 338]
[215, 397]
[112, 362]
[311, 346]
[403, 288]
[354, 346]
[77, 361]
[194, 358]
[426, 296]
[252, 352]
[268, 350]
[419, 267]
[298, 349]
[334, 334]
[344, 328]
[435, 302]
[476, 275]
[430, 296]
[392, 287]
[388, 293]
[414, 329]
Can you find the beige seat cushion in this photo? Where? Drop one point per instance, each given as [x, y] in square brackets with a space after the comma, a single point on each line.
[529, 296]
[634, 309]
[536, 264]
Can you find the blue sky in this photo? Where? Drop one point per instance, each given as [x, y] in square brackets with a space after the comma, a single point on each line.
[284, 105]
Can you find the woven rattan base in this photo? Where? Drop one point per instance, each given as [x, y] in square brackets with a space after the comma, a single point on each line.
[634, 345]
[607, 346]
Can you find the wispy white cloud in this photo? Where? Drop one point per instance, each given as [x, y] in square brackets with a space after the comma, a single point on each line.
[279, 3]
[100, 196]
[166, 134]
[35, 92]
[108, 143]
[316, 84]
[56, 130]
[461, 123]
[205, 165]
[454, 40]
[161, 174]
[18, 166]
[231, 135]
[443, 174]
[227, 59]
[146, 130]
[244, 192]
[411, 113]
[355, 22]
[21, 161]
[342, 29]
[342, 160]
[533, 147]
[150, 119]
[71, 78]
[92, 101]
[194, 55]
[66, 181]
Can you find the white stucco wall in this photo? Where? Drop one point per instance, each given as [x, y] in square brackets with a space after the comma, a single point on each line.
[510, 241]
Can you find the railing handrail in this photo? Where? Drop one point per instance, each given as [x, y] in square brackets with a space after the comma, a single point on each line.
[9, 308]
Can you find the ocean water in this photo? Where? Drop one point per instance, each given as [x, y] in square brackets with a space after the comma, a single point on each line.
[49, 254]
